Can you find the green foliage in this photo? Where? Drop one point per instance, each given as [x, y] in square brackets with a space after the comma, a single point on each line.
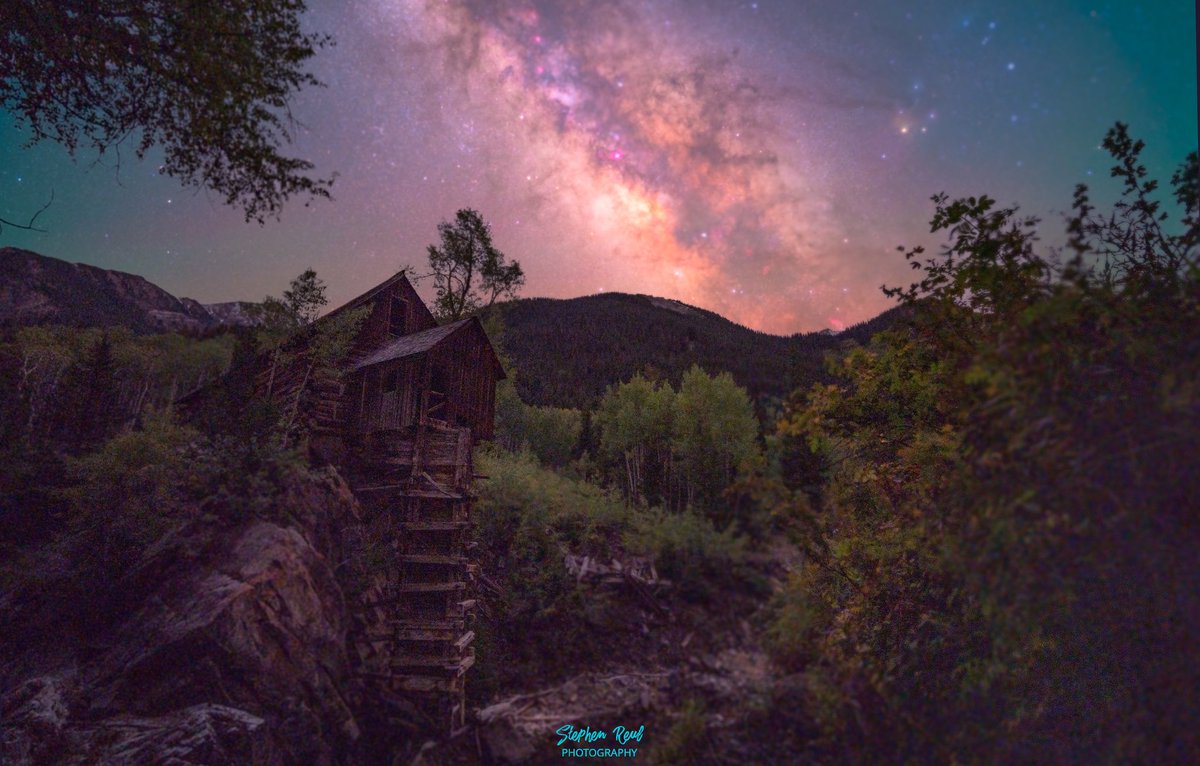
[121, 499]
[550, 433]
[714, 438]
[468, 272]
[519, 494]
[305, 297]
[90, 409]
[634, 422]
[526, 518]
[680, 449]
[289, 332]
[160, 492]
[68, 390]
[279, 320]
[691, 553]
[999, 562]
[625, 334]
[126, 485]
[209, 83]
[334, 339]
[686, 742]
[53, 377]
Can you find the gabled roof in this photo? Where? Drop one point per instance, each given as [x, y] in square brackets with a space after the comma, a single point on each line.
[421, 342]
[399, 276]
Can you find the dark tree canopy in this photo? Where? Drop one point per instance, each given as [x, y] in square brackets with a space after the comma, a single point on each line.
[468, 271]
[210, 83]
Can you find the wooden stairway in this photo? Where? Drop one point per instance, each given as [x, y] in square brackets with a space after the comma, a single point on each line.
[412, 634]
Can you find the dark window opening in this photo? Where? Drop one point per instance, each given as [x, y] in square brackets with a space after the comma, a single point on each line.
[396, 320]
[391, 380]
[438, 381]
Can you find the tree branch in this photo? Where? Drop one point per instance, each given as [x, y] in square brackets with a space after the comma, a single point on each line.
[30, 225]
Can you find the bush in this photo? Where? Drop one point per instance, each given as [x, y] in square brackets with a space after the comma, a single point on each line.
[1001, 562]
[550, 433]
[131, 484]
[526, 518]
[690, 552]
[686, 742]
[519, 493]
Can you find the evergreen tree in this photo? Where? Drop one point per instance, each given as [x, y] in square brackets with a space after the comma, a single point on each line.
[89, 405]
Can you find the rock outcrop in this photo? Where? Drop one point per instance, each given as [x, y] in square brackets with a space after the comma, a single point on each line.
[234, 655]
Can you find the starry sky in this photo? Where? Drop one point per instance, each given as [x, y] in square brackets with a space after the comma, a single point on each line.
[759, 159]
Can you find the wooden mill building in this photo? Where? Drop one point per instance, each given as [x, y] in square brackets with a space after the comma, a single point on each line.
[400, 422]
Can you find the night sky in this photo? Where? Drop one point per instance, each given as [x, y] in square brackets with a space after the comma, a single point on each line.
[761, 159]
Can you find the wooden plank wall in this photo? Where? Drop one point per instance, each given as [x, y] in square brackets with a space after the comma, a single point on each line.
[378, 408]
[471, 376]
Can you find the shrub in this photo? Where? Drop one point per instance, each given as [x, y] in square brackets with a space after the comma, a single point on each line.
[1001, 561]
[686, 742]
[526, 518]
[690, 552]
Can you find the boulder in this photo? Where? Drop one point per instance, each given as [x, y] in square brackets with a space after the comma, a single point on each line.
[235, 655]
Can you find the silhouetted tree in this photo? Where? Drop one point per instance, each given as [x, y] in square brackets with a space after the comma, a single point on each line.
[89, 405]
[305, 297]
[209, 83]
[468, 271]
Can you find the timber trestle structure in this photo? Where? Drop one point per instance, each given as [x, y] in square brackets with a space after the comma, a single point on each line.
[412, 631]
[399, 419]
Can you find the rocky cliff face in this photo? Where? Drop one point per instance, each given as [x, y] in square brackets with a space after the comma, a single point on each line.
[35, 289]
[231, 650]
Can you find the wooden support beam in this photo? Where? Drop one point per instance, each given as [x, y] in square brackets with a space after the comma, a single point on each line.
[430, 587]
[432, 558]
[465, 640]
[434, 526]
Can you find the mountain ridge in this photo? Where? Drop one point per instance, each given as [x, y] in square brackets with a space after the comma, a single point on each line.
[566, 351]
[630, 333]
[39, 289]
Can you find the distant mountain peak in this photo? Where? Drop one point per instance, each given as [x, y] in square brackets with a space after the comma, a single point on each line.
[37, 289]
[673, 305]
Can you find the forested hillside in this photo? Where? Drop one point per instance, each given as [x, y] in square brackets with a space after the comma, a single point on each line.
[569, 351]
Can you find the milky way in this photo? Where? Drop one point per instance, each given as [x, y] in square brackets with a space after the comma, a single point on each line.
[762, 160]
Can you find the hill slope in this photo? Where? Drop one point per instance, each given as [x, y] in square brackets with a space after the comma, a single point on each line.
[36, 289]
[567, 352]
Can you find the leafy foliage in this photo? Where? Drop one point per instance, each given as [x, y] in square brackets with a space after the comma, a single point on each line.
[551, 433]
[209, 83]
[686, 741]
[1000, 561]
[288, 331]
[90, 411]
[691, 553]
[634, 424]
[58, 373]
[714, 435]
[526, 517]
[678, 449]
[469, 272]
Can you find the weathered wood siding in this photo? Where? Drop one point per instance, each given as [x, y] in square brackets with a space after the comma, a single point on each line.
[376, 331]
[389, 396]
[464, 365]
